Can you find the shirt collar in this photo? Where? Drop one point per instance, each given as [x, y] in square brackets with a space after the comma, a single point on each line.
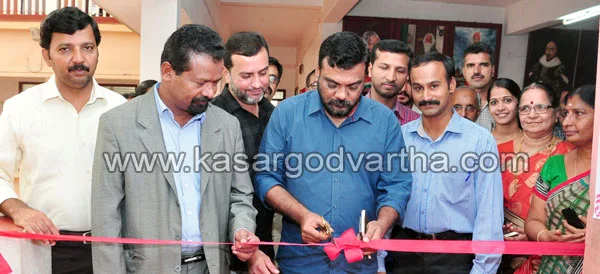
[230, 102]
[399, 109]
[51, 91]
[363, 110]
[162, 108]
[455, 125]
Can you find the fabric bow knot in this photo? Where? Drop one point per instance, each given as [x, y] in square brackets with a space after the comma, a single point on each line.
[348, 243]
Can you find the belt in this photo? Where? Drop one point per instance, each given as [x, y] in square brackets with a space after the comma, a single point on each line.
[73, 233]
[198, 257]
[446, 235]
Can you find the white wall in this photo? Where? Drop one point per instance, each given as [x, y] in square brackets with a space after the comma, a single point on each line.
[513, 49]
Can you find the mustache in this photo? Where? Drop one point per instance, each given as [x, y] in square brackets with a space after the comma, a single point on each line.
[339, 103]
[79, 67]
[403, 92]
[430, 102]
[476, 75]
[200, 100]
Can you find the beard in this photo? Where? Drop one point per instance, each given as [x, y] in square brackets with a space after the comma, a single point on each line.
[409, 101]
[385, 95]
[243, 96]
[198, 105]
[346, 105]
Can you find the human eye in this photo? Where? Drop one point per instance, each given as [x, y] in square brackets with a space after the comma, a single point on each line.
[331, 85]
[458, 107]
[507, 100]
[493, 102]
[524, 109]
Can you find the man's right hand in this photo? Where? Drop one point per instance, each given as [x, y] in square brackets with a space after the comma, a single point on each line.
[309, 224]
[31, 220]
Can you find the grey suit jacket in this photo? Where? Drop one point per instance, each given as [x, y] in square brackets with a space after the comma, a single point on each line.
[131, 204]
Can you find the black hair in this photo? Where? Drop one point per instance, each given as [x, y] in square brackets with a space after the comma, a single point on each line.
[343, 50]
[191, 39]
[479, 47]
[434, 56]
[547, 88]
[274, 62]
[144, 86]
[130, 95]
[509, 85]
[308, 77]
[245, 43]
[390, 45]
[67, 20]
[587, 93]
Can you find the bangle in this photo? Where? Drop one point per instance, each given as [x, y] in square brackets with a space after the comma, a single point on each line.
[537, 239]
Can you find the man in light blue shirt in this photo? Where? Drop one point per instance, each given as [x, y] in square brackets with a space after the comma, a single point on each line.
[457, 189]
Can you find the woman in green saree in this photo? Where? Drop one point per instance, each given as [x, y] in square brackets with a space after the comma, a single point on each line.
[564, 183]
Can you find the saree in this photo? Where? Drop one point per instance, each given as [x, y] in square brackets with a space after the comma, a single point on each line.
[560, 194]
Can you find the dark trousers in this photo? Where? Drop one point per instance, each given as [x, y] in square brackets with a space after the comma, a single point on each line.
[431, 263]
[72, 257]
[264, 231]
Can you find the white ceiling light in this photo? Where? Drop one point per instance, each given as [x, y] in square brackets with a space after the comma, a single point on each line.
[580, 15]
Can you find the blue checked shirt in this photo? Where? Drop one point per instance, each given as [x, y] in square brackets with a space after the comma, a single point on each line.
[462, 201]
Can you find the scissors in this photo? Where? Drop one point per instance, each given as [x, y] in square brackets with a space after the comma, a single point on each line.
[327, 230]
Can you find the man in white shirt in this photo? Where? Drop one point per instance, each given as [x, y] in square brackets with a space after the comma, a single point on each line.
[48, 132]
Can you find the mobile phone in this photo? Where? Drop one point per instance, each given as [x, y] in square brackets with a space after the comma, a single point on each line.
[511, 234]
[572, 218]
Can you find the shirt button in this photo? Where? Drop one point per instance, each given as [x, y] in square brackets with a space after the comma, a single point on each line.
[178, 268]
[425, 190]
[334, 206]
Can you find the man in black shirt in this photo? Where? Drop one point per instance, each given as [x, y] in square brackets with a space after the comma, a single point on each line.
[247, 63]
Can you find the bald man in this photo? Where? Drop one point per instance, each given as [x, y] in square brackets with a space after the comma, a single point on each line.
[466, 102]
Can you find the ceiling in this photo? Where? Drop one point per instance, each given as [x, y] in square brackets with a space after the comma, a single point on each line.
[489, 3]
[279, 23]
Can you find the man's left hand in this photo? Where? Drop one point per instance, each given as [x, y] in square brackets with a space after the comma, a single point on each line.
[260, 263]
[375, 231]
[241, 248]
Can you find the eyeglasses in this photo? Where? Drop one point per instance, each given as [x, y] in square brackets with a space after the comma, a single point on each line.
[468, 108]
[313, 85]
[273, 79]
[539, 109]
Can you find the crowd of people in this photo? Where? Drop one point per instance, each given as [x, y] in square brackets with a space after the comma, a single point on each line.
[378, 132]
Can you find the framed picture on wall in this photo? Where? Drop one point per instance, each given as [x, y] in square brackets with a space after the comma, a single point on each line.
[464, 37]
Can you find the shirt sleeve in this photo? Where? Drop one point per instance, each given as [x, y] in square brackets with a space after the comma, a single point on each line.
[394, 183]
[542, 184]
[270, 159]
[489, 202]
[10, 156]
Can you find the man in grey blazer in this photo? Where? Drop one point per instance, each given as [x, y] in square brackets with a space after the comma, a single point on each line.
[181, 198]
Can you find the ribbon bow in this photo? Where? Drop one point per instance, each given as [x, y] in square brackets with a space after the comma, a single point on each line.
[348, 243]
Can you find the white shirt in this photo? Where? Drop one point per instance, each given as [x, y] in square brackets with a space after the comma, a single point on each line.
[52, 145]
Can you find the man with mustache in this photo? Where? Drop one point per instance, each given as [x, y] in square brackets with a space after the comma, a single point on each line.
[405, 98]
[49, 133]
[247, 64]
[321, 123]
[452, 197]
[478, 70]
[189, 200]
[388, 70]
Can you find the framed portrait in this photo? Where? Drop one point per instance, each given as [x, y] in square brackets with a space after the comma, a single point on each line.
[464, 37]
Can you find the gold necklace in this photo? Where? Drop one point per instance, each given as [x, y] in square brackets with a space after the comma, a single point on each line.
[516, 168]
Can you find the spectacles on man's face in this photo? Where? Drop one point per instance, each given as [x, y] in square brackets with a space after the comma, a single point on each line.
[539, 109]
[468, 108]
[313, 85]
[273, 79]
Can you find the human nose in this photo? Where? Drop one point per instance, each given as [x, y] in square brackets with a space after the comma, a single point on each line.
[77, 56]
[258, 80]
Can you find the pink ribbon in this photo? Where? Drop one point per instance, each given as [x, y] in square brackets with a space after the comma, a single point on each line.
[348, 243]
[4, 267]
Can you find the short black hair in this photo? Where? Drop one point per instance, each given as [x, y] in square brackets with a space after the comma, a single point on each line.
[434, 56]
[344, 50]
[308, 77]
[191, 39]
[274, 62]
[390, 45]
[587, 93]
[130, 95]
[245, 43]
[548, 89]
[67, 20]
[144, 86]
[479, 47]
